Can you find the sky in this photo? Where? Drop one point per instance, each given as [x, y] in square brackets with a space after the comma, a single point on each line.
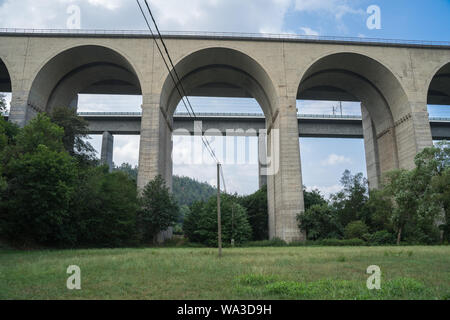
[323, 160]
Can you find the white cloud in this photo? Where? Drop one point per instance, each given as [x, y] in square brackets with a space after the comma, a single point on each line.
[126, 149]
[309, 32]
[338, 8]
[334, 159]
[176, 15]
[327, 191]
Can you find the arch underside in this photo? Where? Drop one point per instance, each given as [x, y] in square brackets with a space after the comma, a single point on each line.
[85, 69]
[439, 91]
[354, 77]
[219, 72]
[5, 79]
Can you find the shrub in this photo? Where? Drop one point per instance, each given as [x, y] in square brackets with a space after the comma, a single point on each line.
[159, 209]
[356, 230]
[381, 238]
[200, 225]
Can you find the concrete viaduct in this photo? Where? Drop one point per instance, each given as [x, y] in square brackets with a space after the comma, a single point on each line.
[393, 80]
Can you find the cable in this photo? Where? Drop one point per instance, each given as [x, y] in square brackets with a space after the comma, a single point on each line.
[223, 178]
[183, 95]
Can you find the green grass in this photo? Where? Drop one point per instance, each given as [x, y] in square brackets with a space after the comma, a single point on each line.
[243, 273]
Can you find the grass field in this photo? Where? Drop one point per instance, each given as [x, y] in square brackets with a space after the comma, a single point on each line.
[244, 273]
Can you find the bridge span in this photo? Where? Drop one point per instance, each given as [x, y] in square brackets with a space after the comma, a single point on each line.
[245, 124]
[394, 80]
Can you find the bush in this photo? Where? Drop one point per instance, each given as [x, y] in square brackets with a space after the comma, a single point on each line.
[105, 208]
[356, 230]
[159, 209]
[381, 238]
[36, 203]
[200, 225]
[319, 222]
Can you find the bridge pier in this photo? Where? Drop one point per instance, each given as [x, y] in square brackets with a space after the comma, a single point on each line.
[285, 188]
[107, 150]
[262, 158]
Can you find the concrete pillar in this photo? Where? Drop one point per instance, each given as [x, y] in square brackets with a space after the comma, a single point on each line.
[152, 153]
[262, 158]
[285, 189]
[21, 113]
[107, 150]
[371, 150]
[155, 152]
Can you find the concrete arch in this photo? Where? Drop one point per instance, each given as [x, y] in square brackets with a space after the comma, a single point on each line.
[214, 69]
[439, 86]
[73, 70]
[6, 82]
[367, 69]
[385, 106]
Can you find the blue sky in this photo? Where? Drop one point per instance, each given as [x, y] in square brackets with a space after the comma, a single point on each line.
[323, 160]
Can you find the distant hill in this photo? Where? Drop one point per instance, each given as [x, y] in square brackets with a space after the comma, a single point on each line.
[186, 190]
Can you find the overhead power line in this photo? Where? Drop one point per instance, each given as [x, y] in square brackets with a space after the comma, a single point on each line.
[174, 74]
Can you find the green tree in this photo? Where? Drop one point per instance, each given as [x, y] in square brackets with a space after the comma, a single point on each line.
[127, 168]
[313, 197]
[401, 186]
[2, 104]
[40, 186]
[257, 212]
[76, 131]
[159, 209]
[349, 203]
[378, 211]
[200, 224]
[356, 230]
[105, 208]
[320, 222]
[40, 131]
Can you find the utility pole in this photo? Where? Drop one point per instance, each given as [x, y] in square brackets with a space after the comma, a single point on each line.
[219, 215]
[232, 226]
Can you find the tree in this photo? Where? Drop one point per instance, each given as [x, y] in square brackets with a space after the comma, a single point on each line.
[320, 222]
[401, 186]
[2, 104]
[356, 230]
[75, 133]
[257, 212]
[159, 209]
[127, 168]
[200, 225]
[105, 208]
[40, 131]
[378, 211]
[37, 199]
[349, 203]
[313, 197]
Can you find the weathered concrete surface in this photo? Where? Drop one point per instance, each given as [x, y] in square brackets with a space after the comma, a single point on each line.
[107, 150]
[394, 82]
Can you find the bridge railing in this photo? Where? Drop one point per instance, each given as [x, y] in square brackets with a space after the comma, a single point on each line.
[218, 35]
[216, 114]
[231, 115]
